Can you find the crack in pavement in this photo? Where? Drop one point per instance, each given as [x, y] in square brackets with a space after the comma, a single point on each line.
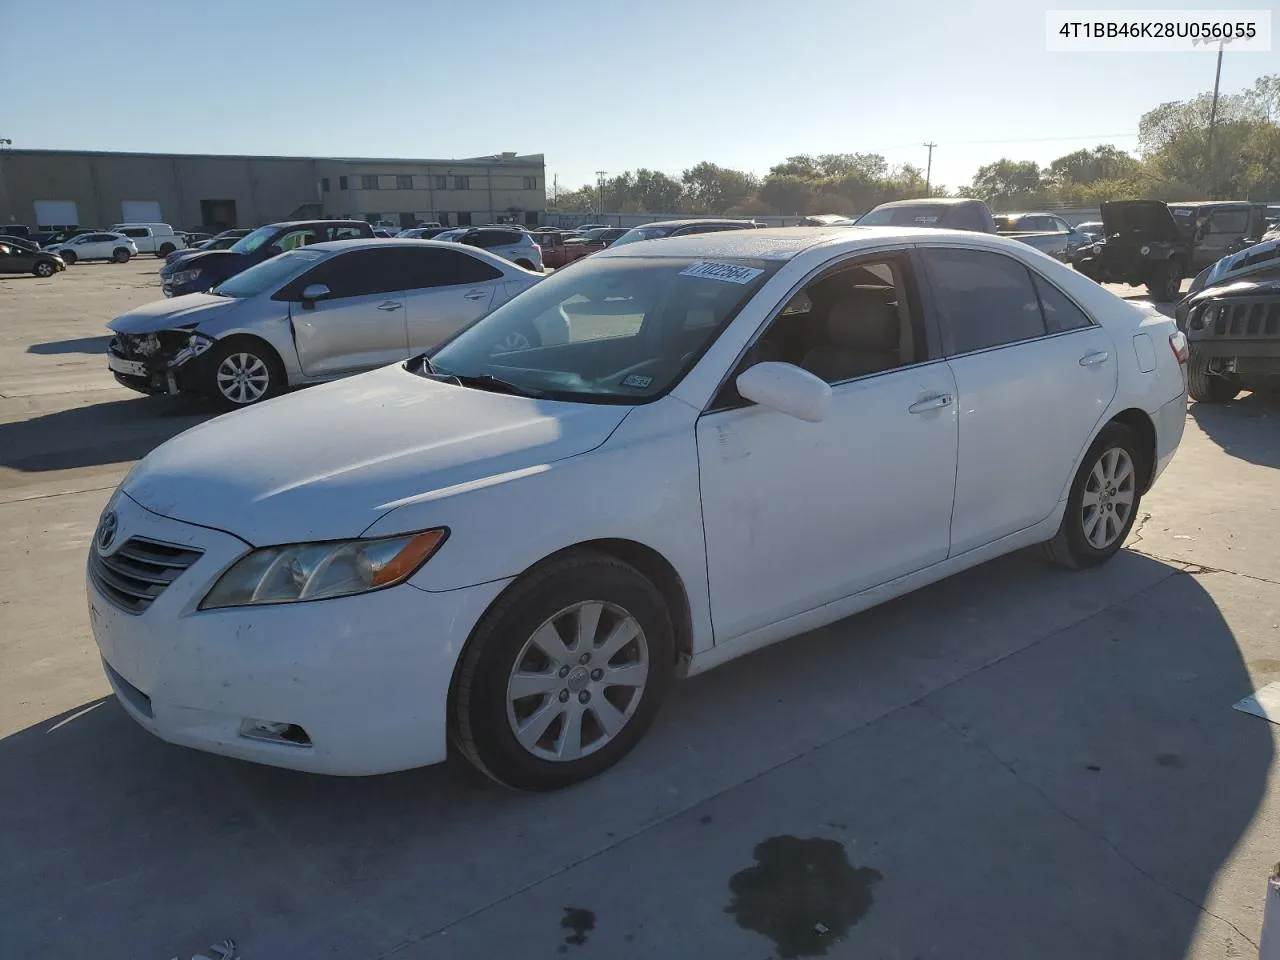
[1190, 566]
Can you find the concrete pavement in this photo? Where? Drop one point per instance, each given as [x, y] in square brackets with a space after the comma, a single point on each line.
[1015, 762]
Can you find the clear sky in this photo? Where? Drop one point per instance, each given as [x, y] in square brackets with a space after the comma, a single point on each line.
[600, 85]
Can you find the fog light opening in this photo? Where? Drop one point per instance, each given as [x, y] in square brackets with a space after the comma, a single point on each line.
[271, 731]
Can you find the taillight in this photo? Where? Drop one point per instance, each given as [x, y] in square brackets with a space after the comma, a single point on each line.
[1178, 343]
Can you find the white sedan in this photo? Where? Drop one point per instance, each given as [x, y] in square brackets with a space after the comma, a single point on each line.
[744, 436]
[95, 246]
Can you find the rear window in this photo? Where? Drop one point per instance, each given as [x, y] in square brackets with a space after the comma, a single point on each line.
[928, 215]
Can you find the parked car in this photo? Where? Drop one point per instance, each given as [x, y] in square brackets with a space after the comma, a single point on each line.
[21, 231]
[510, 244]
[1092, 229]
[953, 213]
[95, 246]
[1217, 228]
[62, 236]
[383, 233]
[421, 233]
[559, 247]
[739, 438]
[1046, 232]
[18, 256]
[195, 239]
[222, 241]
[1234, 333]
[680, 228]
[158, 238]
[208, 268]
[314, 313]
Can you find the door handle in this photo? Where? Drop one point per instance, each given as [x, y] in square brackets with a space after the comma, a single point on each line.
[390, 305]
[1093, 359]
[936, 402]
[475, 295]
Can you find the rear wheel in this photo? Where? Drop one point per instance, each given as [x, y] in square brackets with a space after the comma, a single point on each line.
[1164, 282]
[1103, 502]
[241, 372]
[165, 250]
[43, 269]
[522, 338]
[1206, 387]
[120, 255]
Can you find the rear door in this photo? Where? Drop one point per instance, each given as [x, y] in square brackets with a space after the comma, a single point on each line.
[1225, 226]
[1033, 377]
[14, 259]
[97, 246]
[445, 290]
[361, 324]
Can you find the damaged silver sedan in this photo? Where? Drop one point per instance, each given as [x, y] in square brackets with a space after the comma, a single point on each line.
[310, 315]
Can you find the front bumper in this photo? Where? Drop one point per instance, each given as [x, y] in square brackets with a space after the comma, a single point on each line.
[367, 678]
[157, 363]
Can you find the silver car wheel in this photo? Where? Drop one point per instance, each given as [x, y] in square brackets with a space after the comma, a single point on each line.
[1108, 498]
[512, 343]
[243, 378]
[577, 681]
[44, 269]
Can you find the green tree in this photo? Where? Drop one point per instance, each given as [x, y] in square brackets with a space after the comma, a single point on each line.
[713, 189]
[656, 192]
[786, 194]
[1092, 164]
[1007, 181]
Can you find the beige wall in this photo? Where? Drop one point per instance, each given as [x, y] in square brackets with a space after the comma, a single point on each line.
[423, 198]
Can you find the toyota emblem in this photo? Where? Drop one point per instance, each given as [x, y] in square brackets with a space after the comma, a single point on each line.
[107, 529]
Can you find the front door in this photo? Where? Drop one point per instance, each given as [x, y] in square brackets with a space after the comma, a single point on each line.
[446, 290]
[360, 324]
[1034, 375]
[1224, 227]
[15, 260]
[797, 514]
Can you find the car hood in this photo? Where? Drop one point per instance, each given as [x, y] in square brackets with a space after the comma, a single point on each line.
[193, 309]
[327, 462]
[1140, 220]
[216, 258]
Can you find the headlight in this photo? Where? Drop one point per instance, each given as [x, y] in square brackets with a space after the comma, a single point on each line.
[319, 571]
[185, 276]
[1144, 250]
[1096, 248]
[196, 344]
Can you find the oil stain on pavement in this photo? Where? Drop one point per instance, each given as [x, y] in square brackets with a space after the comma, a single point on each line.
[579, 922]
[803, 894]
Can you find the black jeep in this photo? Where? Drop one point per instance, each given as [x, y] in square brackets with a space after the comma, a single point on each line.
[1157, 244]
[1234, 335]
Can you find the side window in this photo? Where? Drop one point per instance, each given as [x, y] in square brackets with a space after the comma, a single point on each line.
[1060, 314]
[294, 239]
[345, 233]
[1229, 221]
[359, 273]
[1059, 225]
[984, 299]
[442, 268]
[97, 237]
[494, 238]
[136, 232]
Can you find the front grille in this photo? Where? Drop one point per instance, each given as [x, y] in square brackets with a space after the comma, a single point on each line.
[139, 571]
[1252, 318]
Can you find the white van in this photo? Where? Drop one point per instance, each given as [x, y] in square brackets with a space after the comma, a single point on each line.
[157, 238]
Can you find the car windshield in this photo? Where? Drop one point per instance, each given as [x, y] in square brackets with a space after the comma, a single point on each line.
[253, 240]
[269, 275]
[914, 216]
[451, 235]
[616, 330]
[642, 233]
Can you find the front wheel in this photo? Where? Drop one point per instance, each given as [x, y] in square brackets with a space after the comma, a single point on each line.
[120, 255]
[1164, 283]
[1103, 502]
[240, 374]
[1206, 387]
[68, 256]
[43, 269]
[564, 673]
[524, 337]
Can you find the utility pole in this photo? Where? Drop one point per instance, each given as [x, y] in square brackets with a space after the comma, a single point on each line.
[600, 189]
[928, 170]
[1213, 120]
[555, 190]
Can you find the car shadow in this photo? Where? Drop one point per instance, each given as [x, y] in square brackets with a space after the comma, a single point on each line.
[1228, 425]
[102, 433]
[92, 345]
[1123, 742]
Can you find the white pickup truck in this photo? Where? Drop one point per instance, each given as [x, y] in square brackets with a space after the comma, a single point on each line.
[157, 238]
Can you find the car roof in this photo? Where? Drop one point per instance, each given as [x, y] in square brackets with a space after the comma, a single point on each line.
[1215, 203]
[356, 243]
[690, 222]
[933, 201]
[306, 223]
[784, 243]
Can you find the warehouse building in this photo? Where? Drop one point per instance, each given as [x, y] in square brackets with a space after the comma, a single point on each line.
[54, 189]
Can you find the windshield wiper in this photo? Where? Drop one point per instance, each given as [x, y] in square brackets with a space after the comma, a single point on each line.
[487, 381]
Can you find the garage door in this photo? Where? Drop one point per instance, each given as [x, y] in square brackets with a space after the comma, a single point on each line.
[140, 211]
[56, 213]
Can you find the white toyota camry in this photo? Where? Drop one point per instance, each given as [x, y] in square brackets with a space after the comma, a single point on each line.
[744, 435]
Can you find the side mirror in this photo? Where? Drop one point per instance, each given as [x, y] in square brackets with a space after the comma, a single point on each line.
[786, 388]
[313, 292]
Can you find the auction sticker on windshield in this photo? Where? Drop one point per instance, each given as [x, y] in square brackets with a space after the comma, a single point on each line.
[727, 272]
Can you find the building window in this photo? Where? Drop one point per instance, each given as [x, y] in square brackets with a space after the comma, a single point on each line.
[464, 219]
[440, 183]
[342, 183]
[404, 183]
[531, 218]
[462, 183]
[443, 218]
[324, 184]
[372, 217]
[368, 182]
[531, 183]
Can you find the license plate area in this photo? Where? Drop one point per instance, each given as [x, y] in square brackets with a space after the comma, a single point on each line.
[131, 368]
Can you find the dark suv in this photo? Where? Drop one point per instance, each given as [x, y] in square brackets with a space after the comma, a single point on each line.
[204, 271]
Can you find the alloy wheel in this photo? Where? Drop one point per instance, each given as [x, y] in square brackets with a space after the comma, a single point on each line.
[512, 343]
[243, 378]
[44, 270]
[577, 681]
[1108, 498]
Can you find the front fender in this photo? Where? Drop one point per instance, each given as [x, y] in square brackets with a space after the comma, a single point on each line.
[278, 333]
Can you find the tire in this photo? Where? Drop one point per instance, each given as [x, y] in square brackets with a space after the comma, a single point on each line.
[1206, 387]
[583, 587]
[68, 257]
[165, 250]
[1071, 546]
[43, 269]
[120, 255]
[525, 337]
[1164, 283]
[241, 372]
